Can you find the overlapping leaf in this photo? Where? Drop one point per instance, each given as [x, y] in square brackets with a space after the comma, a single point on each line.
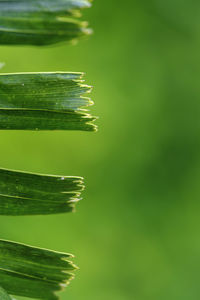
[33, 272]
[4, 295]
[44, 101]
[41, 22]
[33, 194]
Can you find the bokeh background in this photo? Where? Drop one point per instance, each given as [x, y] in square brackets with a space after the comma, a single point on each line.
[136, 234]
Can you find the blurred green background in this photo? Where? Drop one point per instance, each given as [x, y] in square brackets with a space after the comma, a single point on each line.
[136, 234]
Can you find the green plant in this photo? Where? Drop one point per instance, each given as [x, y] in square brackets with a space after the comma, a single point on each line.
[33, 272]
[41, 22]
[39, 101]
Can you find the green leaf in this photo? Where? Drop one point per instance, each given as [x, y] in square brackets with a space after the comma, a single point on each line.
[32, 194]
[44, 101]
[33, 272]
[41, 22]
[4, 295]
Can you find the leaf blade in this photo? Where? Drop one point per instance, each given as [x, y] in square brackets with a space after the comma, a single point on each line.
[32, 194]
[44, 101]
[33, 272]
[41, 22]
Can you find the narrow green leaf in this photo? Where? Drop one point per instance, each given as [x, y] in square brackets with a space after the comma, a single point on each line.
[41, 22]
[33, 272]
[48, 91]
[32, 194]
[4, 295]
[44, 101]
